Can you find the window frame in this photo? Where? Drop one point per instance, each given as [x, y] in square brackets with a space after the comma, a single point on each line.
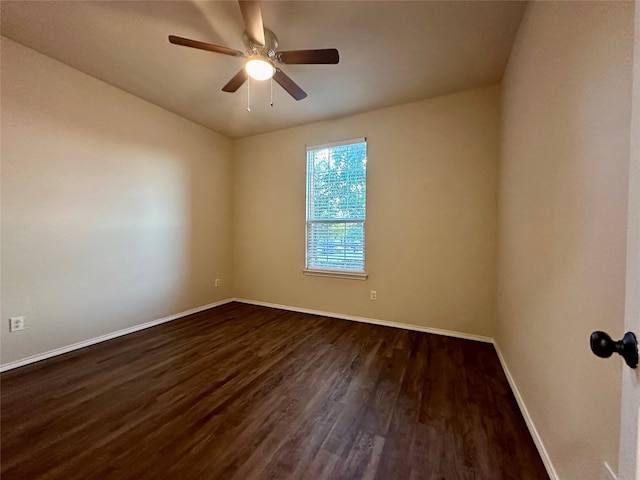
[338, 273]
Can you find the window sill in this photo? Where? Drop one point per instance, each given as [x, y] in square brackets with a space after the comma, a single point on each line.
[336, 274]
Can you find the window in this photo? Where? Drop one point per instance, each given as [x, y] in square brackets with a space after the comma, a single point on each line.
[336, 208]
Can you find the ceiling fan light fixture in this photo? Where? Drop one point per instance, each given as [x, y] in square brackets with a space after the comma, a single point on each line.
[262, 49]
[259, 68]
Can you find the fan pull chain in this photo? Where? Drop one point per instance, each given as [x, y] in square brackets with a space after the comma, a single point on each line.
[248, 94]
[271, 91]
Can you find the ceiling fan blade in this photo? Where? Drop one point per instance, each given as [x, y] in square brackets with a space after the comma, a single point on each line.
[205, 46]
[235, 83]
[252, 16]
[289, 85]
[324, 56]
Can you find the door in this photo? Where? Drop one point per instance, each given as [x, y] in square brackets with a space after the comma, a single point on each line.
[629, 460]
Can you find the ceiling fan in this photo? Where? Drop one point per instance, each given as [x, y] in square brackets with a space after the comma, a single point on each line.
[262, 54]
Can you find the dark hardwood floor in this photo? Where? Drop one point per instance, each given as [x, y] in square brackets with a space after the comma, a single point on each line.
[245, 392]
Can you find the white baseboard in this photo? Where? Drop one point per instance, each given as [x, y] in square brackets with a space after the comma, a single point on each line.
[108, 336]
[553, 475]
[385, 323]
[609, 474]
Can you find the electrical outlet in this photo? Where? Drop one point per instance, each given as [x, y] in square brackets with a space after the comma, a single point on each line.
[373, 295]
[217, 282]
[16, 324]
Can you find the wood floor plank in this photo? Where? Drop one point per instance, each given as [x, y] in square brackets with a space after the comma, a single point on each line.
[245, 392]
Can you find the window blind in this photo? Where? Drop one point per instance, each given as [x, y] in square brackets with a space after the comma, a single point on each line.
[336, 206]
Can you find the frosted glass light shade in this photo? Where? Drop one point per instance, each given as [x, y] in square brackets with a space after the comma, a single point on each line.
[259, 69]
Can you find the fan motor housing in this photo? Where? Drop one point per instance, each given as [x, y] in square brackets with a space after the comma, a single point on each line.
[267, 50]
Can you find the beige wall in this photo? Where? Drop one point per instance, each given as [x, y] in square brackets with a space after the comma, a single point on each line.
[562, 223]
[115, 212]
[431, 220]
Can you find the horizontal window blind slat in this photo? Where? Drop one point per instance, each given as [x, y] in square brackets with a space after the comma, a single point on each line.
[337, 220]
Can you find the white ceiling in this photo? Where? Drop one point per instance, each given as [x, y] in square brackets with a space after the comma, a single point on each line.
[391, 52]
